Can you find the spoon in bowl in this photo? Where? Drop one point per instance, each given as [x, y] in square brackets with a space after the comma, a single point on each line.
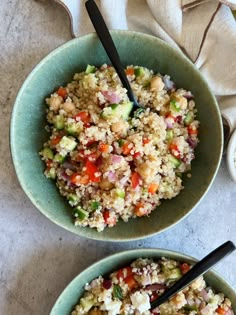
[109, 46]
[196, 271]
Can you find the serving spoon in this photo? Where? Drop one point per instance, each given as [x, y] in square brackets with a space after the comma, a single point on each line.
[109, 46]
[196, 271]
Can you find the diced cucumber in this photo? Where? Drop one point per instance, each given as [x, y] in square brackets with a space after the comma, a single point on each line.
[59, 122]
[80, 213]
[174, 161]
[139, 71]
[73, 199]
[73, 129]
[67, 143]
[47, 153]
[95, 205]
[90, 69]
[190, 308]
[120, 193]
[51, 173]
[87, 302]
[188, 118]
[174, 106]
[59, 158]
[121, 110]
[174, 274]
[169, 135]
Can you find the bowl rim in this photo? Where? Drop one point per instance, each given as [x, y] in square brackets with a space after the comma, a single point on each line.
[131, 254]
[16, 164]
[231, 156]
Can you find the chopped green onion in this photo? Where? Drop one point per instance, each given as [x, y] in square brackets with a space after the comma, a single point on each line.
[95, 205]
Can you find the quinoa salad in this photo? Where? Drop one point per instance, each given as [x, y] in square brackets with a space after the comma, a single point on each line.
[134, 288]
[111, 163]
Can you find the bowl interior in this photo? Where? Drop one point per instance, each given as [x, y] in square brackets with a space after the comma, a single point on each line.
[70, 296]
[28, 133]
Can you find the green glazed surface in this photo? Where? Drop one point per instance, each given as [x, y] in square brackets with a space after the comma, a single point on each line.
[28, 133]
[70, 296]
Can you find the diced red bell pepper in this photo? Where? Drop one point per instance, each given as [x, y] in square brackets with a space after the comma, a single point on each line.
[137, 155]
[184, 268]
[124, 272]
[145, 141]
[78, 178]
[221, 311]
[135, 179]
[103, 147]
[111, 221]
[174, 150]
[129, 71]
[83, 116]
[153, 188]
[139, 210]
[126, 148]
[132, 283]
[62, 92]
[54, 141]
[192, 130]
[91, 170]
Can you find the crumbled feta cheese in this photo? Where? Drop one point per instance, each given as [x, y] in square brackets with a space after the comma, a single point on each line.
[140, 301]
[113, 307]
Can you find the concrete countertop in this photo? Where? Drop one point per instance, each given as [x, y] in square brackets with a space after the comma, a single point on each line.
[37, 258]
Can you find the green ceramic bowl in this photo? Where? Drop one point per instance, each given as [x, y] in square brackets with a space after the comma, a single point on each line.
[28, 133]
[70, 296]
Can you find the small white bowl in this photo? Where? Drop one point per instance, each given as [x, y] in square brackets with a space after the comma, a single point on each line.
[231, 155]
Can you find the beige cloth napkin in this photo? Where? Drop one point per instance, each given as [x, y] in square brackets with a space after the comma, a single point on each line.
[204, 30]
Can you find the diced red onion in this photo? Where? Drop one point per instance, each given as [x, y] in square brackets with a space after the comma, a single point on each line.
[70, 166]
[229, 312]
[188, 95]
[111, 177]
[124, 180]
[107, 284]
[204, 295]
[116, 159]
[168, 83]
[179, 119]
[64, 176]
[192, 143]
[111, 96]
[155, 287]
[169, 123]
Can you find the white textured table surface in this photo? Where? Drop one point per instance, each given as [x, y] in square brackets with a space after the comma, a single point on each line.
[38, 258]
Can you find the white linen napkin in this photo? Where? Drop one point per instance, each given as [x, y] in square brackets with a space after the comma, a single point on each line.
[204, 30]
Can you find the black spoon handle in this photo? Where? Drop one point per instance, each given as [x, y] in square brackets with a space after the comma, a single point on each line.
[197, 270]
[109, 46]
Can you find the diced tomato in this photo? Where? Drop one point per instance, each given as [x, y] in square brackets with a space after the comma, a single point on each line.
[221, 311]
[111, 221]
[137, 155]
[145, 141]
[126, 148]
[124, 272]
[78, 179]
[139, 209]
[184, 268]
[153, 297]
[129, 71]
[153, 188]
[62, 92]
[132, 283]
[54, 141]
[84, 117]
[174, 150]
[91, 170]
[192, 130]
[135, 179]
[103, 147]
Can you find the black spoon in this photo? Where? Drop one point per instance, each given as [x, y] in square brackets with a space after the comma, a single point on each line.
[109, 46]
[197, 270]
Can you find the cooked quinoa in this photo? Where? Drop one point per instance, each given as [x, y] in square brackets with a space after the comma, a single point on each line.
[109, 163]
[133, 289]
